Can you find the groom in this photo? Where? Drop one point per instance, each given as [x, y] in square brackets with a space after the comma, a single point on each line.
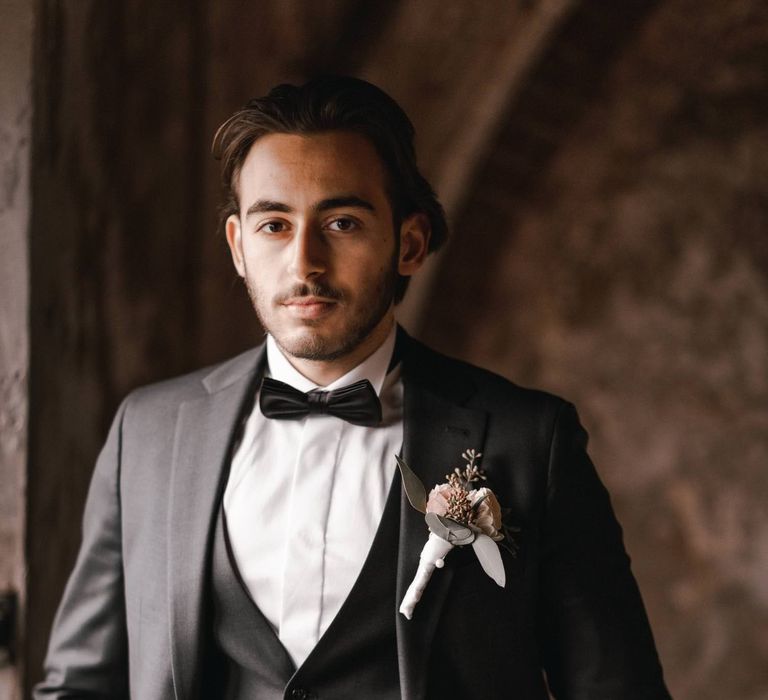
[246, 533]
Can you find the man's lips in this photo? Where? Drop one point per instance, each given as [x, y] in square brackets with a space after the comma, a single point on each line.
[308, 307]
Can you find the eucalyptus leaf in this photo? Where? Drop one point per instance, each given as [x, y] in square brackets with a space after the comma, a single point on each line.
[436, 525]
[460, 534]
[414, 489]
[449, 530]
[477, 503]
[487, 552]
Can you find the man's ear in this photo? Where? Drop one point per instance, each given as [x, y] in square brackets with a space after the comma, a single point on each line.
[414, 243]
[235, 242]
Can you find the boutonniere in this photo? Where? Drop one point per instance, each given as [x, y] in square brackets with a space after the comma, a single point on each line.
[457, 514]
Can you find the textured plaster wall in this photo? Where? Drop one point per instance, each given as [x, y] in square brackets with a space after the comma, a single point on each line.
[15, 136]
[630, 273]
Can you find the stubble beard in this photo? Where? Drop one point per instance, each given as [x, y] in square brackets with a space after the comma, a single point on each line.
[375, 301]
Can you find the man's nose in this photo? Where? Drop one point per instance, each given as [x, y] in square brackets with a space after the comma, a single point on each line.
[308, 252]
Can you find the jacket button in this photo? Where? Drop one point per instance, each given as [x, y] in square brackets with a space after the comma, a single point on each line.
[300, 694]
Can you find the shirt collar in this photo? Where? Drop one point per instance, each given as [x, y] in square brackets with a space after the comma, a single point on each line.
[373, 368]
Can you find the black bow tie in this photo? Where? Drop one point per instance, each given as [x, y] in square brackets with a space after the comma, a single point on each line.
[356, 403]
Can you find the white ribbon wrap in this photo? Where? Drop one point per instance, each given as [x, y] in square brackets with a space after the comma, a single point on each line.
[432, 556]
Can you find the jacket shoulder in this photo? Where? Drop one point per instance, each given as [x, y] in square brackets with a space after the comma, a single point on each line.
[481, 385]
[169, 393]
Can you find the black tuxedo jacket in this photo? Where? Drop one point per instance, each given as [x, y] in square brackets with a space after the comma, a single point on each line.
[133, 617]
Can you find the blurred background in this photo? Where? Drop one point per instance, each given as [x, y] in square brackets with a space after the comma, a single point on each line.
[605, 169]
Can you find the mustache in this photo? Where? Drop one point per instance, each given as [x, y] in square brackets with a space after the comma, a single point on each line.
[315, 289]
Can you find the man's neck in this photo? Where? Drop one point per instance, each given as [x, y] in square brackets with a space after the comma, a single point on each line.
[323, 372]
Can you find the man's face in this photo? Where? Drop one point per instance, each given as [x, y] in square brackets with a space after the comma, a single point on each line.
[315, 242]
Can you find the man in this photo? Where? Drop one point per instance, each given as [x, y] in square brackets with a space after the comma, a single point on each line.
[246, 533]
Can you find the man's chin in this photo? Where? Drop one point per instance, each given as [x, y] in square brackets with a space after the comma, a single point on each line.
[325, 339]
[311, 344]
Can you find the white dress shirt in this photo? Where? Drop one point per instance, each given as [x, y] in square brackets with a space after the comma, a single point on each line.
[304, 499]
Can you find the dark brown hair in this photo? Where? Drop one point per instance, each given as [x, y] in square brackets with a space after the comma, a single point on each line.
[333, 103]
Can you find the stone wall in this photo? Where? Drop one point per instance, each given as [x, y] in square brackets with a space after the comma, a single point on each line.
[629, 272]
[15, 138]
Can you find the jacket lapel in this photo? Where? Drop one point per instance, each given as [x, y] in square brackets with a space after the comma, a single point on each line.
[437, 429]
[205, 430]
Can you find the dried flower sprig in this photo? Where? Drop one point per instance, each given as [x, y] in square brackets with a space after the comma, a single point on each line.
[464, 478]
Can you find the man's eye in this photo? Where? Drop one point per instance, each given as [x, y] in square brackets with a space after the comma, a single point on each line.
[343, 224]
[272, 227]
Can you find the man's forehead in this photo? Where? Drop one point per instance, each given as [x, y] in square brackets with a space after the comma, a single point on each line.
[339, 150]
[323, 165]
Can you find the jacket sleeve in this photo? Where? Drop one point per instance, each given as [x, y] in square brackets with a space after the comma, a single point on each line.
[88, 650]
[595, 636]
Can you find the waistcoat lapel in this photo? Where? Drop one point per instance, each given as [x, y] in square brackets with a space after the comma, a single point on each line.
[437, 429]
[242, 632]
[205, 430]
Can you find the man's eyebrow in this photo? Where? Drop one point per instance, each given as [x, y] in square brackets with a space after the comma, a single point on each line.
[266, 205]
[344, 201]
[261, 206]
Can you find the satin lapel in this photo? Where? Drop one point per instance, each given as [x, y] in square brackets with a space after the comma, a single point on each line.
[436, 431]
[204, 432]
